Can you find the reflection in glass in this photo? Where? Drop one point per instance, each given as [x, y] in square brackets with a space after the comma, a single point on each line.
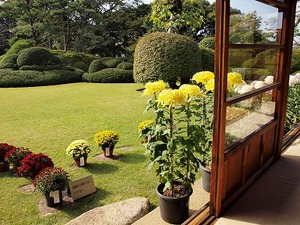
[247, 116]
[257, 68]
[252, 22]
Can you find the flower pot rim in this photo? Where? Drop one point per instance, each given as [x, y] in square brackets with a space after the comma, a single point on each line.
[205, 168]
[161, 186]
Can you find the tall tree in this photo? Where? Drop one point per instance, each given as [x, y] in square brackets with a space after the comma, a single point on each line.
[178, 16]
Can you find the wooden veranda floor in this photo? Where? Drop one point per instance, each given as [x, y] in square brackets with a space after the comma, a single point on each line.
[274, 199]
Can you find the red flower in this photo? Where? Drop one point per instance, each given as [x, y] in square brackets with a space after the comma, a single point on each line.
[16, 155]
[32, 164]
[4, 148]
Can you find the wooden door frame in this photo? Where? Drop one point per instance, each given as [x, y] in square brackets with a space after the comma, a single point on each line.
[221, 65]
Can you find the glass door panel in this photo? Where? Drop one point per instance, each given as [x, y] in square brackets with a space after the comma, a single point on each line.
[252, 22]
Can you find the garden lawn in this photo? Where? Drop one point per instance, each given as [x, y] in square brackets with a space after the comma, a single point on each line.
[47, 119]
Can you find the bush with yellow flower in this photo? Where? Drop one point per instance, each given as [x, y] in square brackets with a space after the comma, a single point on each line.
[175, 137]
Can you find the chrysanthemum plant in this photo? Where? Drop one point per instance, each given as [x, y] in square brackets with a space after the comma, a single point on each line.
[175, 138]
[106, 138]
[78, 149]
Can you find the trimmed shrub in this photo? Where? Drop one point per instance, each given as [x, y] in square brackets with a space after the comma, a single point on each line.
[96, 66]
[34, 56]
[112, 63]
[165, 56]
[19, 45]
[263, 60]
[125, 66]
[9, 61]
[207, 59]
[109, 75]
[72, 58]
[28, 78]
[81, 65]
[48, 67]
[208, 42]
[295, 64]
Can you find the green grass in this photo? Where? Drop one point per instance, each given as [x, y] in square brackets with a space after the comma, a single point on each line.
[47, 119]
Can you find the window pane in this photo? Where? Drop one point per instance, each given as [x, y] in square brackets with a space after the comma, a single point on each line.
[247, 116]
[252, 22]
[256, 67]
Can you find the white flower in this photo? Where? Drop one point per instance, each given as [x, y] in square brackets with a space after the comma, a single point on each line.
[269, 79]
[293, 80]
[259, 84]
[246, 88]
[297, 76]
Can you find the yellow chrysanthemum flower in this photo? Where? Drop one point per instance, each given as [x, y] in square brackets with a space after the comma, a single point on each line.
[146, 124]
[154, 87]
[233, 79]
[190, 90]
[210, 86]
[170, 97]
[203, 77]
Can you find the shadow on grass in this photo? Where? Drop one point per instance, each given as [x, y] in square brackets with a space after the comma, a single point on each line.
[132, 158]
[100, 168]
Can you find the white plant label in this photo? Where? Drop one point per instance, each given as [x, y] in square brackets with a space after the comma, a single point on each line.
[107, 150]
[55, 195]
[82, 161]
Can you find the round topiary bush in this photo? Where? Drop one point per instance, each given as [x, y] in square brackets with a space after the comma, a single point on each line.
[34, 56]
[208, 42]
[125, 66]
[112, 63]
[9, 61]
[165, 56]
[207, 59]
[96, 66]
[109, 75]
[81, 65]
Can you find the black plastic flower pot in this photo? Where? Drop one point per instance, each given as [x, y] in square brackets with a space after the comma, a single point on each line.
[205, 178]
[173, 210]
[53, 200]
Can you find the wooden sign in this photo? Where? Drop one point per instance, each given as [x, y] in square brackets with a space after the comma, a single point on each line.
[82, 187]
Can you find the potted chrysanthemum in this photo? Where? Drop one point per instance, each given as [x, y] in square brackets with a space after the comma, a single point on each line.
[79, 150]
[174, 145]
[107, 139]
[32, 164]
[144, 127]
[4, 148]
[15, 156]
[51, 181]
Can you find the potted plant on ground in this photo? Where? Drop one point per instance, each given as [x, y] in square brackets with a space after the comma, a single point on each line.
[4, 148]
[16, 155]
[79, 150]
[51, 181]
[144, 127]
[107, 139]
[174, 146]
[32, 164]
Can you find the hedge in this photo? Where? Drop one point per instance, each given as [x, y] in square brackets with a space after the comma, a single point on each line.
[208, 42]
[165, 56]
[112, 63]
[34, 56]
[96, 66]
[109, 75]
[17, 46]
[125, 66]
[28, 78]
[9, 61]
[207, 59]
[72, 58]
